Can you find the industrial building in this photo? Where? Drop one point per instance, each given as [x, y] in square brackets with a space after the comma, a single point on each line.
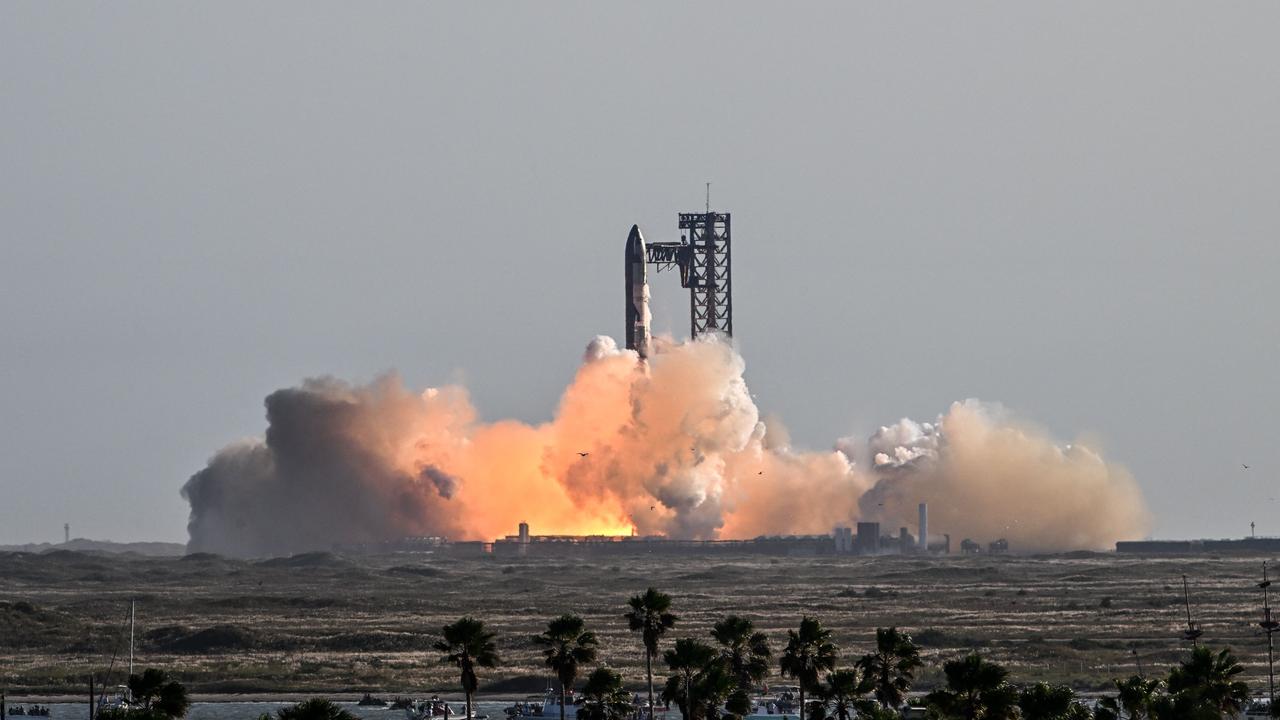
[525, 544]
[866, 541]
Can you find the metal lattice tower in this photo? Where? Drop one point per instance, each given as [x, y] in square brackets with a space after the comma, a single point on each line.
[703, 257]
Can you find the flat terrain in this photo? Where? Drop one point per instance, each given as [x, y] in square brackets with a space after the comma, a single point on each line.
[338, 624]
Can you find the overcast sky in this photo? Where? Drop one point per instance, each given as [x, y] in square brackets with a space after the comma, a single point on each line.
[1070, 208]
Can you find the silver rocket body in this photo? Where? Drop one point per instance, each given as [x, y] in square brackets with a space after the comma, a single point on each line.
[637, 287]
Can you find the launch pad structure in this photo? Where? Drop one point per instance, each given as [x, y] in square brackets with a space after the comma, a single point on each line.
[704, 258]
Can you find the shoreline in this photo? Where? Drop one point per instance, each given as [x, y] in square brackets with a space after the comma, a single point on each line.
[284, 697]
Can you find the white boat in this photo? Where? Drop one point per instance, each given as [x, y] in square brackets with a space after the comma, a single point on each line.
[546, 705]
[123, 699]
[781, 703]
[1258, 708]
[437, 708]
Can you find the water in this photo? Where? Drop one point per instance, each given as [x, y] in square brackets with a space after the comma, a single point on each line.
[252, 710]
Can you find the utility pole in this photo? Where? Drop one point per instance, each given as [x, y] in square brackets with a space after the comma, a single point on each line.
[131, 645]
[1269, 626]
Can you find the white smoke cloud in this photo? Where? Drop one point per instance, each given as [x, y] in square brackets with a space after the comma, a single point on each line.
[987, 476]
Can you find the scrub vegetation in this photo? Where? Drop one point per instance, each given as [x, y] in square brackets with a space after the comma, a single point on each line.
[322, 623]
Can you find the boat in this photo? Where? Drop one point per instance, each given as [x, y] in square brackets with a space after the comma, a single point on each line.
[437, 708]
[771, 708]
[547, 706]
[123, 699]
[1258, 708]
[371, 701]
[782, 703]
[34, 710]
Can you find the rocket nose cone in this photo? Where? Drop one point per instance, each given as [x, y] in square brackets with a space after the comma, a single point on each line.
[635, 241]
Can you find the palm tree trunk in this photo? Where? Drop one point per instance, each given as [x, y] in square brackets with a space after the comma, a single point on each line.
[648, 671]
[687, 712]
[561, 700]
[468, 694]
[802, 701]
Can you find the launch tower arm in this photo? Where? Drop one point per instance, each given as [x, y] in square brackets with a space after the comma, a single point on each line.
[669, 255]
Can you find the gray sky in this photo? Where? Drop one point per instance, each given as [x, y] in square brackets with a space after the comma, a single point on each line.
[1070, 208]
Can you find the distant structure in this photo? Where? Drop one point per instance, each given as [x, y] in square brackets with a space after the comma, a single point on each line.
[844, 540]
[865, 540]
[943, 547]
[66, 533]
[1191, 547]
[924, 527]
[703, 257]
[868, 538]
[525, 544]
[523, 537]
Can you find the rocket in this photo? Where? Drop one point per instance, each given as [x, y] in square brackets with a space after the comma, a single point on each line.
[637, 287]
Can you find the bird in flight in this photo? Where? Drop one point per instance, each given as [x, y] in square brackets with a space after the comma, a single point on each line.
[760, 473]
[582, 454]
[1246, 467]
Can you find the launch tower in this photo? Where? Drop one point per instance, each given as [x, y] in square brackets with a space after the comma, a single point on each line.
[703, 258]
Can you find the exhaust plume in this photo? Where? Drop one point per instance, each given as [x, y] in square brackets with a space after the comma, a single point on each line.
[986, 476]
[673, 446]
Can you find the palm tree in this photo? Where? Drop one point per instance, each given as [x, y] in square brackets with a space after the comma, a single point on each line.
[1134, 699]
[651, 617]
[158, 695]
[566, 643]
[891, 668]
[712, 687]
[467, 646]
[975, 689]
[603, 697]
[841, 697]
[809, 652]
[745, 651]
[1208, 680]
[688, 659]
[313, 709]
[1043, 701]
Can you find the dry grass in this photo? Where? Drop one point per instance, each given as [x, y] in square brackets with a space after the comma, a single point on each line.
[322, 623]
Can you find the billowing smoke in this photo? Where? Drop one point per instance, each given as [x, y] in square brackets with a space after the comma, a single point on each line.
[674, 447]
[986, 476]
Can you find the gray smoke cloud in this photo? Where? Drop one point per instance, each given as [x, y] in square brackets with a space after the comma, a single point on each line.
[320, 477]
